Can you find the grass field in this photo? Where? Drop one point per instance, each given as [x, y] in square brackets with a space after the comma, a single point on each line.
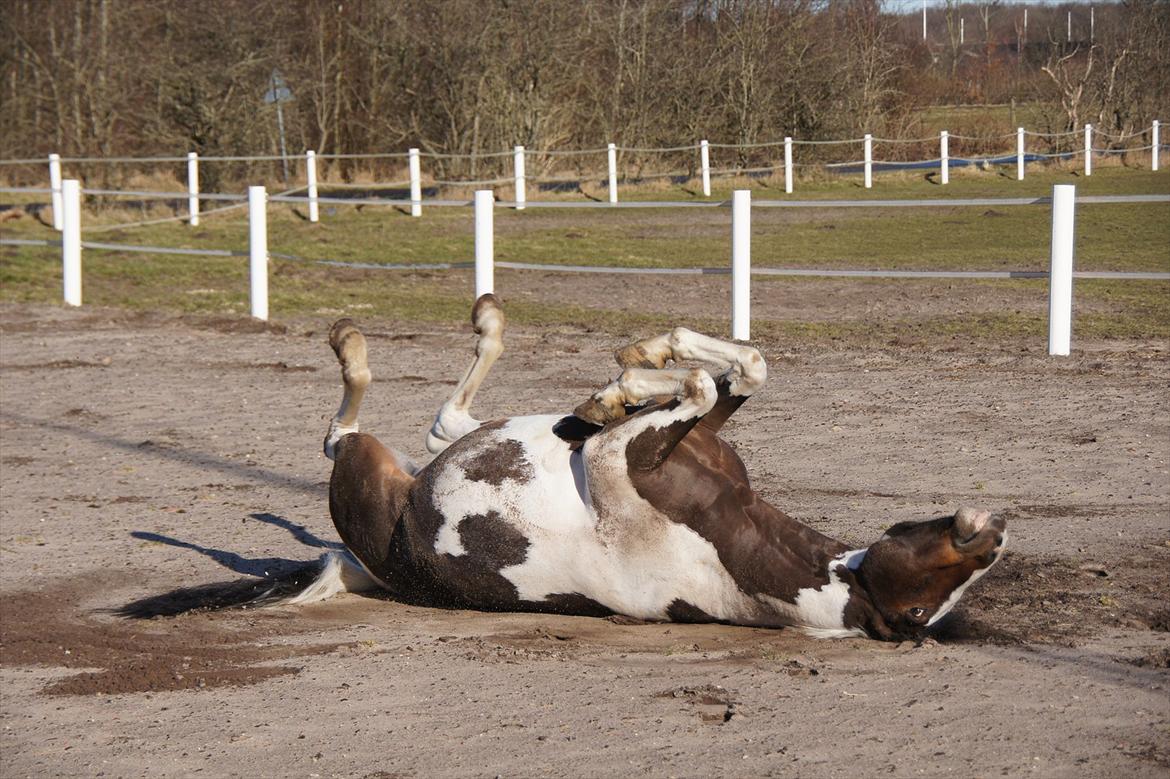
[1109, 237]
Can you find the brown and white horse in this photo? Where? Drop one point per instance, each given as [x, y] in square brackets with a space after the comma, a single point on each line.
[628, 506]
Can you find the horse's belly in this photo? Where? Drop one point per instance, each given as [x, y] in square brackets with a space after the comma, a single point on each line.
[514, 498]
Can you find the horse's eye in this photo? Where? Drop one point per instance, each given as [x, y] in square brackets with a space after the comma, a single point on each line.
[916, 612]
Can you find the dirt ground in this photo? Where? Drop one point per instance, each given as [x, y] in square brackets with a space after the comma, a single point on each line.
[152, 464]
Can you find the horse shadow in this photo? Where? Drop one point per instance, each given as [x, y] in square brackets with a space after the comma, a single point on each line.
[268, 578]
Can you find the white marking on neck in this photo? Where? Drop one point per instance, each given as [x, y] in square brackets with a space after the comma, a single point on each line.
[821, 612]
[957, 593]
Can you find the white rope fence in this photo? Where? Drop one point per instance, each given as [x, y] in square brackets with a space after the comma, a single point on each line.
[1060, 273]
[520, 178]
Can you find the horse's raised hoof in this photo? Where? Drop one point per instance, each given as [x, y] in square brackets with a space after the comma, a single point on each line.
[342, 331]
[487, 315]
[599, 413]
[634, 356]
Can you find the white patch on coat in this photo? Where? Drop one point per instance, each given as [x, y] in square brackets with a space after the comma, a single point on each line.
[957, 593]
[633, 560]
[820, 611]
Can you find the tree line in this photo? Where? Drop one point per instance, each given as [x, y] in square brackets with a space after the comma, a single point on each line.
[473, 77]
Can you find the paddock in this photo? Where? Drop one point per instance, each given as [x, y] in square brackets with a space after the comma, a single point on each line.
[143, 453]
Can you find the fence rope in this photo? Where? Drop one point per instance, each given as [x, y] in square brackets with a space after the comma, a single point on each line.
[564, 152]
[371, 185]
[481, 156]
[160, 195]
[181, 217]
[931, 139]
[615, 270]
[796, 142]
[662, 150]
[1053, 135]
[366, 156]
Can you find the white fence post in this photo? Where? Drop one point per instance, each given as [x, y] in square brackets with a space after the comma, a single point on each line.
[415, 184]
[192, 189]
[741, 264]
[1155, 144]
[1088, 150]
[484, 243]
[518, 163]
[612, 155]
[868, 161]
[311, 180]
[258, 250]
[1064, 198]
[944, 154]
[787, 165]
[55, 188]
[705, 164]
[1019, 154]
[70, 211]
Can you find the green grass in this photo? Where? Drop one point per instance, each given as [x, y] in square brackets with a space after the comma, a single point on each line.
[1110, 237]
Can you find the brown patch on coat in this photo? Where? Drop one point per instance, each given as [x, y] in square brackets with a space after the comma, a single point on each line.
[574, 603]
[575, 431]
[650, 448]
[681, 611]
[703, 485]
[367, 494]
[491, 542]
[498, 463]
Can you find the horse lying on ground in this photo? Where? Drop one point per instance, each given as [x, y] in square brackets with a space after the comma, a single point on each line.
[630, 506]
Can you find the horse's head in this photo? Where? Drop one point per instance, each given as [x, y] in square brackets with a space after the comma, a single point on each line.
[917, 571]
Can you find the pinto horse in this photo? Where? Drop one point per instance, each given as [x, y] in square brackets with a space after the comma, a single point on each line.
[632, 505]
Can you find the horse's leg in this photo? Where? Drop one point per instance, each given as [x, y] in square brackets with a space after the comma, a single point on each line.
[645, 439]
[369, 483]
[350, 347]
[741, 369]
[453, 420]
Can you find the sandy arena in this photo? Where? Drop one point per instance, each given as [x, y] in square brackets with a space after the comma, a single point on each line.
[151, 464]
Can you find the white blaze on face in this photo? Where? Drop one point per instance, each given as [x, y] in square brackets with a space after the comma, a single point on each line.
[633, 560]
[957, 593]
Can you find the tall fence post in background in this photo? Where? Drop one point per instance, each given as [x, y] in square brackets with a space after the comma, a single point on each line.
[311, 181]
[1154, 146]
[611, 153]
[258, 250]
[55, 188]
[944, 154]
[1064, 198]
[705, 165]
[70, 211]
[485, 242]
[415, 183]
[1019, 154]
[868, 161]
[787, 165]
[518, 164]
[192, 189]
[1088, 150]
[741, 264]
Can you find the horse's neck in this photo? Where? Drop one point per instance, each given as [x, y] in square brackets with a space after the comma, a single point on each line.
[794, 540]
